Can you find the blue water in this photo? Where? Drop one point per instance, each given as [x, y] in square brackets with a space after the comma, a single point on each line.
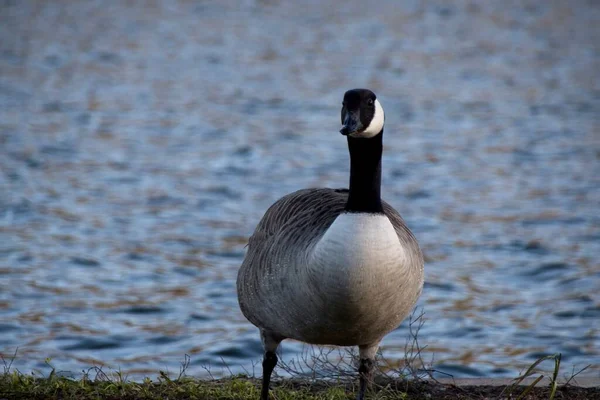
[140, 145]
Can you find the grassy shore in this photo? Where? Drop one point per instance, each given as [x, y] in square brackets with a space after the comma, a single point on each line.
[340, 383]
[15, 385]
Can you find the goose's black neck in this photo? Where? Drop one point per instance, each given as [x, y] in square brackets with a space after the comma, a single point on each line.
[365, 174]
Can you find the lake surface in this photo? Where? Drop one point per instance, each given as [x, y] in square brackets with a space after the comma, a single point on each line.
[141, 144]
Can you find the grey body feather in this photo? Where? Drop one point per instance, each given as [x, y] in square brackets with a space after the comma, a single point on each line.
[282, 292]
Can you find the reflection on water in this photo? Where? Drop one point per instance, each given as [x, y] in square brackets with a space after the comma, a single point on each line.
[139, 146]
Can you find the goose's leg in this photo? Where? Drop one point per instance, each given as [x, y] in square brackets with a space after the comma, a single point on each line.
[365, 368]
[270, 344]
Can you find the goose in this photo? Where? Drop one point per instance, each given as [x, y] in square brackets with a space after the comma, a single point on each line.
[333, 266]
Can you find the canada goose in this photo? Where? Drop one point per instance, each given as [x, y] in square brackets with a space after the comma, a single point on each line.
[333, 266]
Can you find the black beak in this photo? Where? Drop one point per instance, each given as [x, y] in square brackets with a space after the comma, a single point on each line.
[351, 124]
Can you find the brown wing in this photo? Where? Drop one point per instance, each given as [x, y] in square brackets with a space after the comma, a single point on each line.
[307, 208]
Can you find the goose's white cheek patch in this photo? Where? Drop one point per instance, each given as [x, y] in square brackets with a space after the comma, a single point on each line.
[376, 124]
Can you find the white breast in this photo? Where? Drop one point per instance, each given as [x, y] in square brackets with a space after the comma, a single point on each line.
[359, 244]
[356, 286]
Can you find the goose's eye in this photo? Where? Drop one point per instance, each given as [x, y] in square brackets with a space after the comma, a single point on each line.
[370, 102]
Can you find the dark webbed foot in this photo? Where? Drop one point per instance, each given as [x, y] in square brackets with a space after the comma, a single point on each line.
[269, 362]
[365, 371]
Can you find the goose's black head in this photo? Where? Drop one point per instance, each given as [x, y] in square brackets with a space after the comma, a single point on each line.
[362, 114]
